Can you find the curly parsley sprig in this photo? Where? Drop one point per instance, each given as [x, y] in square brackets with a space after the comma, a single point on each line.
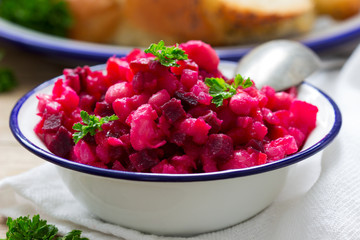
[91, 125]
[167, 56]
[24, 228]
[221, 90]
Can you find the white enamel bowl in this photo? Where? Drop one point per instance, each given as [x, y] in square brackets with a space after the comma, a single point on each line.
[185, 204]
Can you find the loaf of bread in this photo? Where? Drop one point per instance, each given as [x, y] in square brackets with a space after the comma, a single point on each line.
[217, 22]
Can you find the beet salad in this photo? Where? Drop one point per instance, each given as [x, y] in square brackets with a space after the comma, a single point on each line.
[170, 110]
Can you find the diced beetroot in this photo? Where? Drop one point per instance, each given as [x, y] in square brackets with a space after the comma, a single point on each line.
[228, 117]
[280, 148]
[111, 131]
[158, 99]
[108, 153]
[52, 122]
[144, 160]
[72, 80]
[284, 117]
[140, 65]
[118, 70]
[173, 110]
[203, 54]
[258, 131]
[279, 101]
[240, 136]
[167, 123]
[138, 100]
[243, 159]
[178, 137]
[256, 145]
[87, 102]
[71, 118]
[102, 152]
[183, 164]
[164, 167]
[242, 103]
[118, 90]
[188, 99]
[118, 166]
[299, 136]
[59, 143]
[103, 109]
[270, 117]
[124, 106]
[202, 95]
[47, 105]
[244, 122]
[168, 81]
[184, 64]
[303, 116]
[208, 164]
[164, 125]
[198, 129]
[144, 132]
[144, 81]
[198, 111]
[75, 78]
[255, 93]
[219, 147]
[84, 153]
[65, 95]
[277, 132]
[115, 142]
[95, 84]
[213, 121]
[169, 150]
[189, 78]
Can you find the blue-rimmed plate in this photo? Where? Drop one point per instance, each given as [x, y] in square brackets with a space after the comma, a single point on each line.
[326, 35]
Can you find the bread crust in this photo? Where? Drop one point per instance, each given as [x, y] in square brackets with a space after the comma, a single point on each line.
[95, 20]
[338, 9]
[213, 21]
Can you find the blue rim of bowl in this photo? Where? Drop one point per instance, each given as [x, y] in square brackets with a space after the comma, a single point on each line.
[99, 52]
[154, 177]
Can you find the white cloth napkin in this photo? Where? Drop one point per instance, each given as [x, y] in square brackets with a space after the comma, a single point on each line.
[320, 201]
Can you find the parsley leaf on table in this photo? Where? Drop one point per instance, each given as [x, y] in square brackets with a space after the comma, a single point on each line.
[91, 124]
[220, 90]
[167, 56]
[24, 228]
[48, 16]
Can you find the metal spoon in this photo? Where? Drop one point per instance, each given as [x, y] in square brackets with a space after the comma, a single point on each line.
[279, 64]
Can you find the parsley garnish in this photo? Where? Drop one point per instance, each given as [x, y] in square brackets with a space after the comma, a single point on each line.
[167, 56]
[221, 90]
[7, 78]
[48, 16]
[91, 125]
[24, 228]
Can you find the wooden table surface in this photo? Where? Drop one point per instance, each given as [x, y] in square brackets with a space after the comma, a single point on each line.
[30, 69]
